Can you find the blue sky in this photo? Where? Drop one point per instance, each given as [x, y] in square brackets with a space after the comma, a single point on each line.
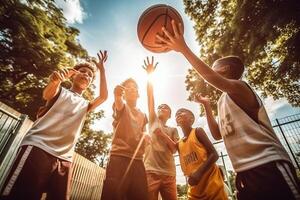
[111, 25]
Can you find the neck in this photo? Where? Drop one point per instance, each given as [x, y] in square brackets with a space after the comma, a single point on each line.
[76, 89]
[163, 120]
[186, 130]
[131, 104]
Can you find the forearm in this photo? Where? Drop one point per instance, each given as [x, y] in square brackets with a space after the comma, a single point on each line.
[118, 103]
[51, 90]
[102, 95]
[211, 160]
[212, 123]
[103, 85]
[205, 71]
[151, 108]
[170, 143]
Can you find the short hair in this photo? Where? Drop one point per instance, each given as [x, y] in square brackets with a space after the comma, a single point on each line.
[129, 80]
[235, 63]
[163, 104]
[87, 65]
[188, 111]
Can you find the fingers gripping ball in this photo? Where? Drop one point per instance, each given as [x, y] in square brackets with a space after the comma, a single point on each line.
[151, 22]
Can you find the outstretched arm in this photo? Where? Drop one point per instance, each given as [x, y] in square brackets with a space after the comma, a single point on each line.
[150, 67]
[212, 157]
[177, 43]
[102, 56]
[212, 123]
[52, 89]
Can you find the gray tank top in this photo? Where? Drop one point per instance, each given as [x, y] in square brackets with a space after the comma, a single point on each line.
[57, 131]
[248, 143]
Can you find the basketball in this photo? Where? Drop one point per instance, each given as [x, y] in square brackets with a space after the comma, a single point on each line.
[151, 22]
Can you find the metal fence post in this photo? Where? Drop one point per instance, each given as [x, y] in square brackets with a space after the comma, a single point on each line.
[226, 174]
[293, 155]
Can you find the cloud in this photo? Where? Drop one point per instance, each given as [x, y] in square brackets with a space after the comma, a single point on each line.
[73, 11]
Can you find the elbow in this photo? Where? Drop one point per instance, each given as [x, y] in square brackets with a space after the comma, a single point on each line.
[217, 137]
[104, 96]
[215, 156]
[46, 96]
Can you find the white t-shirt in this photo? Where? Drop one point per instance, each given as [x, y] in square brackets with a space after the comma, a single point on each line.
[249, 143]
[57, 131]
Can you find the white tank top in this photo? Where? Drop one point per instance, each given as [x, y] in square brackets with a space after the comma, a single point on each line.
[248, 143]
[57, 131]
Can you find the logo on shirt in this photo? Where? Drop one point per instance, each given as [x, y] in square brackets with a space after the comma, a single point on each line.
[227, 126]
[190, 158]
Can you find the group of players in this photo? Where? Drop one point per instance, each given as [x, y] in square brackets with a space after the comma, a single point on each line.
[142, 165]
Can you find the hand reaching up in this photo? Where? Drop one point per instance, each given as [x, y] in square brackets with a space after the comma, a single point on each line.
[149, 66]
[102, 56]
[200, 99]
[175, 42]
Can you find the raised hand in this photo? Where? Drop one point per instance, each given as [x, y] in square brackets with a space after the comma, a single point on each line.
[200, 99]
[102, 56]
[62, 74]
[149, 66]
[119, 91]
[175, 42]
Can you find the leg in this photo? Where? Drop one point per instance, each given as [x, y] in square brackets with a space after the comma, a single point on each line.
[264, 182]
[168, 187]
[58, 188]
[29, 175]
[138, 182]
[153, 185]
[115, 184]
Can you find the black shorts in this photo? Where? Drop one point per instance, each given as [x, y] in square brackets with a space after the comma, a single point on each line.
[35, 172]
[125, 179]
[274, 180]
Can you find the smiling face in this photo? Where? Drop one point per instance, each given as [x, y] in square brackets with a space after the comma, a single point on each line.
[184, 118]
[84, 78]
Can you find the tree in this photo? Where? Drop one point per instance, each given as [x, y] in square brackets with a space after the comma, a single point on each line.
[182, 190]
[34, 41]
[92, 144]
[268, 44]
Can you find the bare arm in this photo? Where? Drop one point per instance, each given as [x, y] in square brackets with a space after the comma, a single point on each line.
[119, 93]
[52, 89]
[103, 86]
[212, 157]
[231, 86]
[212, 123]
[170, 143]
[150, 67]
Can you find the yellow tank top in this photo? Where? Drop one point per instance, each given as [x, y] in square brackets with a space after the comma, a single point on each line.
[192, 155]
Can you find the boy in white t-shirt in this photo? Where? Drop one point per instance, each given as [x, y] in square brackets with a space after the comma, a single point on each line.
[44, 159]
[264, 169]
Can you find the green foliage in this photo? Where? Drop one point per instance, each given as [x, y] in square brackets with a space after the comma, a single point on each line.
[92, 144]
[34, 41]
[264, 34]
[182, 191]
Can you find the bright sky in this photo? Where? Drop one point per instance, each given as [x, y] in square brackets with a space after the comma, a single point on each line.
[111, 25]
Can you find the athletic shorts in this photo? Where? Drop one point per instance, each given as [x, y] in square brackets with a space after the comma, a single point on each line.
[163, 184]
[274, 180]
[35, 172]
[125, 179]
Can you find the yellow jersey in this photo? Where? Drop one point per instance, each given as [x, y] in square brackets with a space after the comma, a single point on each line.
[192, 155]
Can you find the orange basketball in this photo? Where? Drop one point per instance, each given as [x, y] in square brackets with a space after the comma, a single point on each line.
[151, 22]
